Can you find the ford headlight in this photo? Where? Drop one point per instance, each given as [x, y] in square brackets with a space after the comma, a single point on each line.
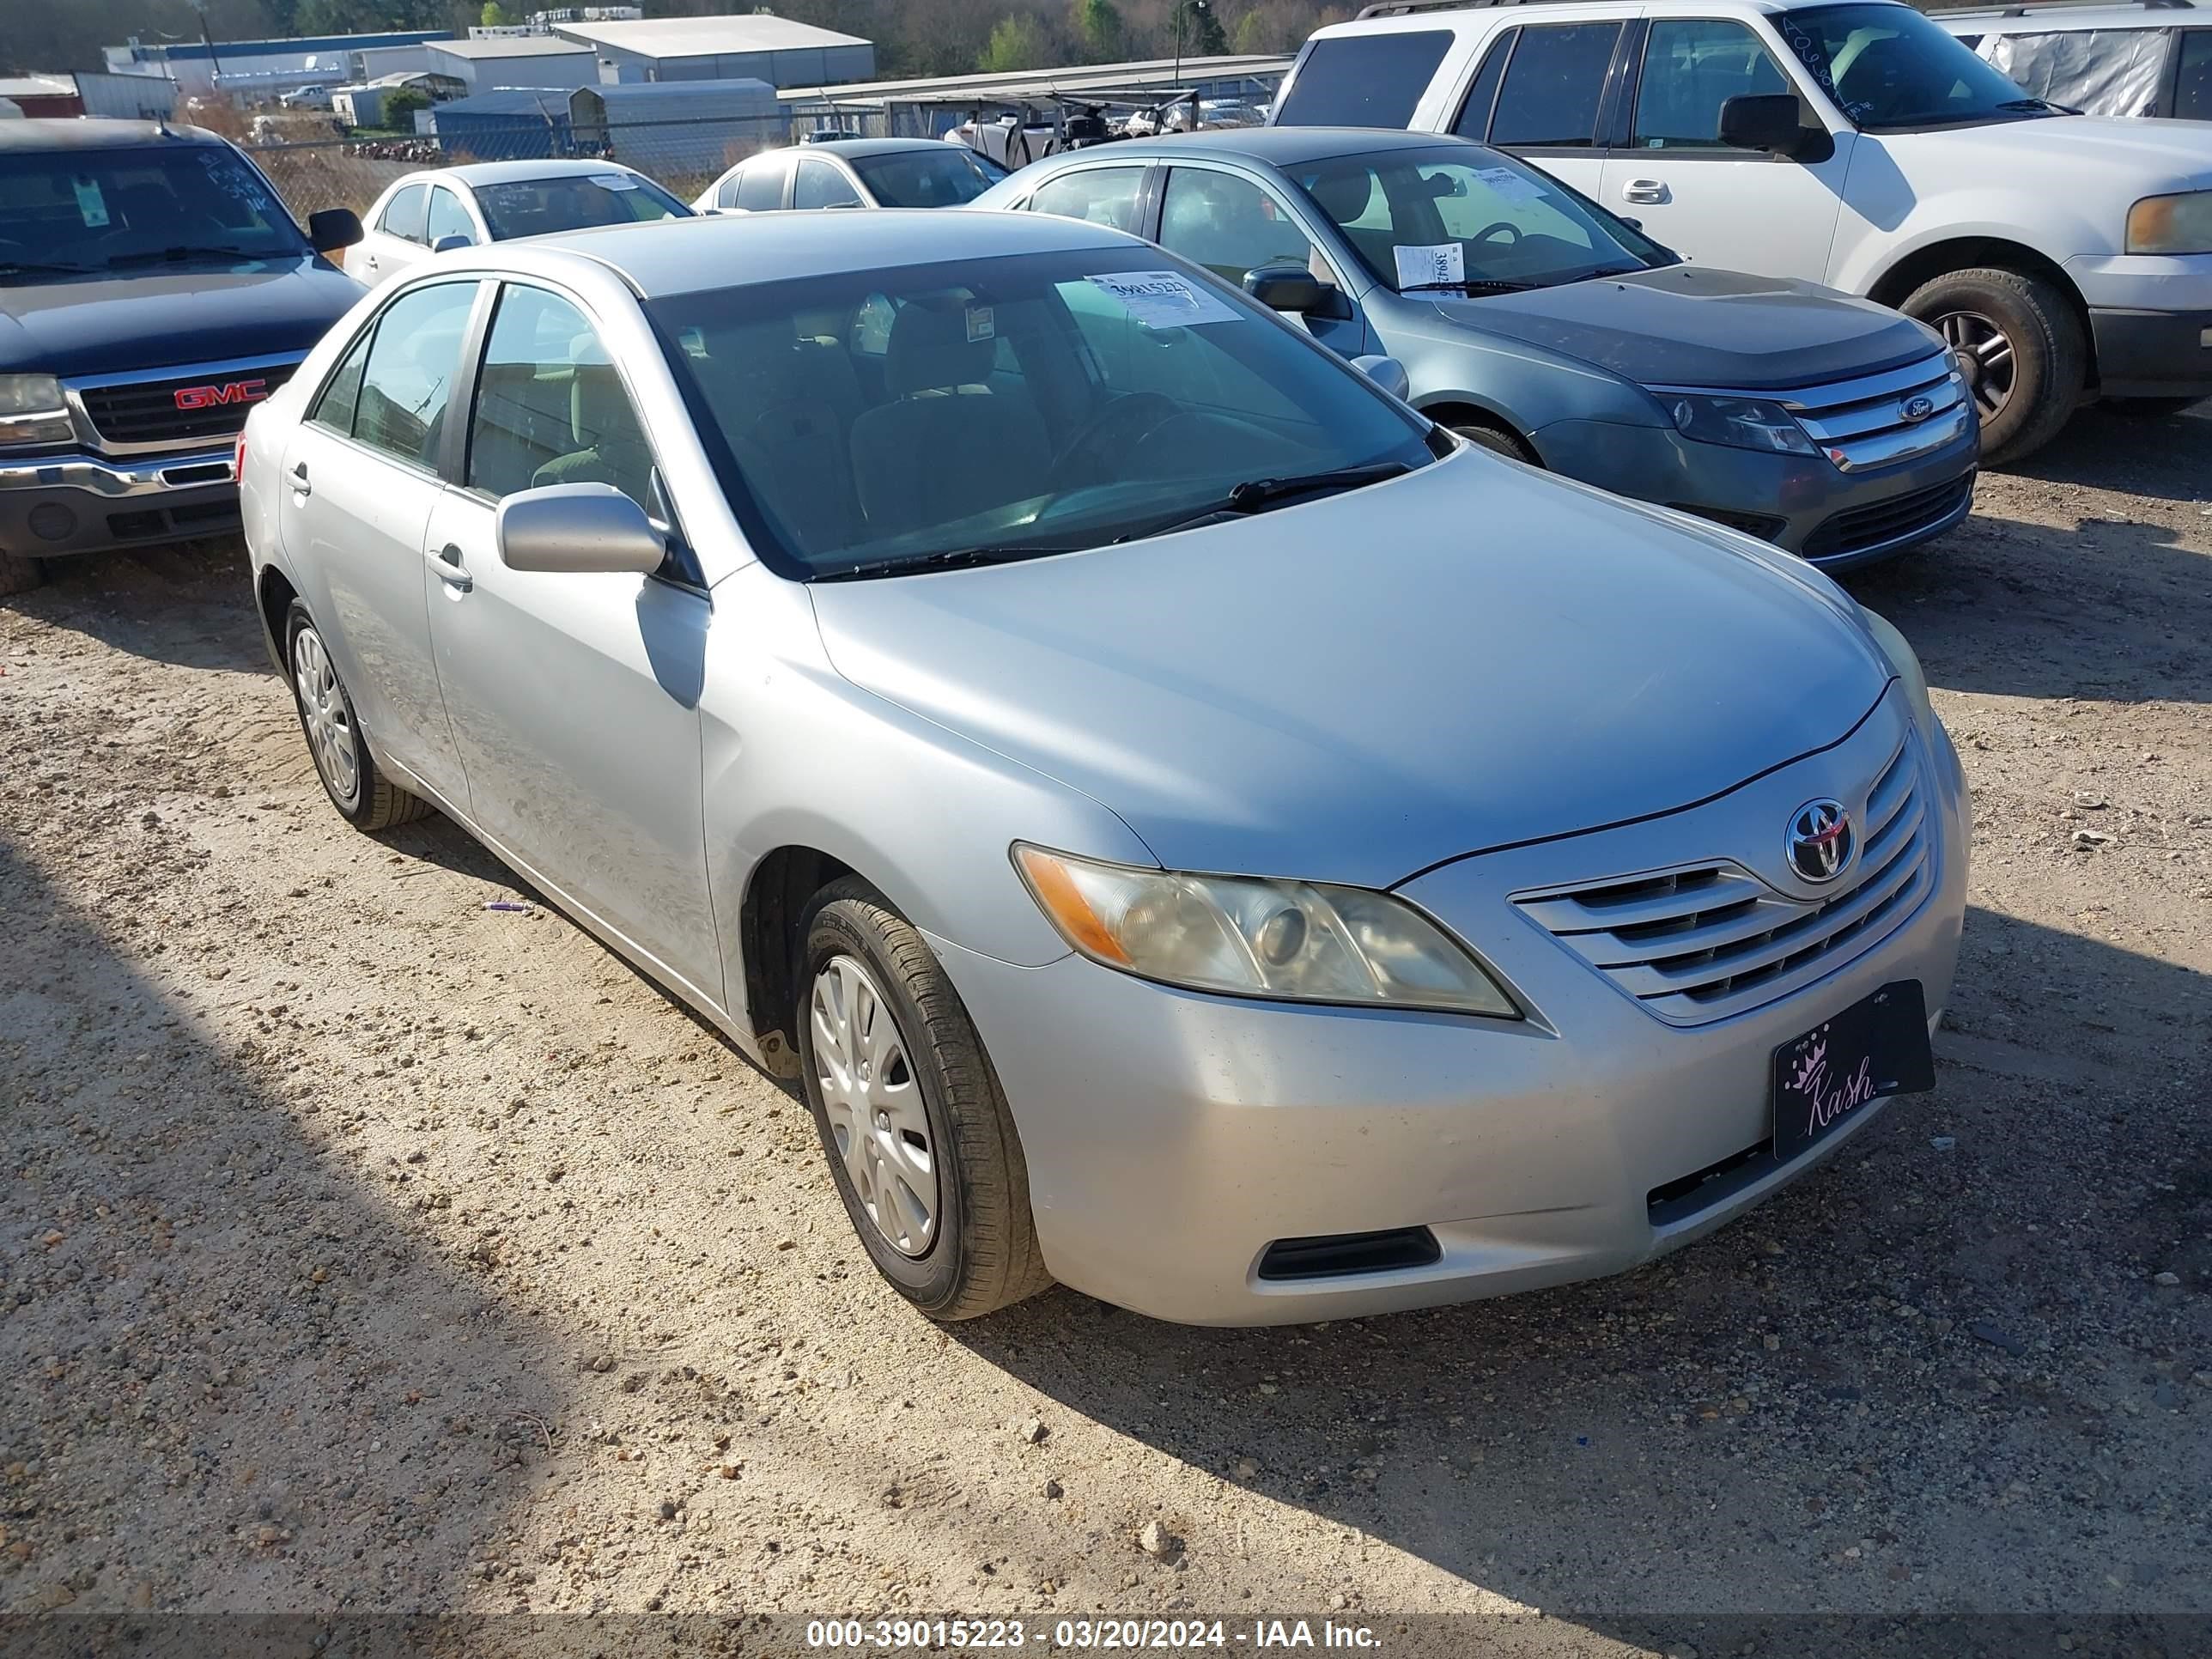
[1907, 662]
[33, 410]
[1299, 941]
[1739, 423]
[2172, 224]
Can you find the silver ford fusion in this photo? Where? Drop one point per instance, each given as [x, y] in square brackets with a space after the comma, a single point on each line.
[1191, 828]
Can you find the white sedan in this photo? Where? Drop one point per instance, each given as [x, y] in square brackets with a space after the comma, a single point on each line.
[853, 172]
[428, 212]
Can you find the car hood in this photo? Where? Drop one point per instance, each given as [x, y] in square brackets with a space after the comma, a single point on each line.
[1694, 325]
[2113, 155]
[1352, 689]
[150, 319]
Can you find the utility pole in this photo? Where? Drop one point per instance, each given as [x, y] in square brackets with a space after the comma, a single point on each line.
[207, 41]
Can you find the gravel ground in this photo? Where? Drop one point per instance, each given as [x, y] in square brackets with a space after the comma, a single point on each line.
[362, 1249]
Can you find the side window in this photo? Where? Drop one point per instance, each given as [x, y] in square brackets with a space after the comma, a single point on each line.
[1692, 66]
[550, 408]
[1104, 196]
[410, 375]
[403, 213]
[341, 394]
[726, 193]
[447, 217]
[760, 185]
[2192, 93]
[821, 186]
[1228, 225]
[1364, 80]
[1475, 114]
[1553, 86]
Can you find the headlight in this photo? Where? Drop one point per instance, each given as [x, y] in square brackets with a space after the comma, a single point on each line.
[1739, 423]
[1300, 941]
[2172, 224]
[31, 410]
[1903, 659]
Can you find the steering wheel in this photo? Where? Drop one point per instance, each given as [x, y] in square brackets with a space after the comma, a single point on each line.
[1512, 231]
[1133, 413]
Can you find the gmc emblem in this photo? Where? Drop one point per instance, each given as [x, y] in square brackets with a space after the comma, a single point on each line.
[231, 392]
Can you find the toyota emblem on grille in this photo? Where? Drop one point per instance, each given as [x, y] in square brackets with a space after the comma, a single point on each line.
[1820, 842]
[1916, 409]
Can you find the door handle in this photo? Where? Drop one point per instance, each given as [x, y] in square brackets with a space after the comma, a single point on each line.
[1643, 189]
[450, 570]
[300, 485]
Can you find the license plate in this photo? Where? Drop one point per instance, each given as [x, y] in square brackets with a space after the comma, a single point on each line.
[1876, 1048]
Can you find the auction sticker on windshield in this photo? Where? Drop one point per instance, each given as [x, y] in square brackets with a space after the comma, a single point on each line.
[613, 181]
[1510, 185]
[1443, 261]
[1162, 299]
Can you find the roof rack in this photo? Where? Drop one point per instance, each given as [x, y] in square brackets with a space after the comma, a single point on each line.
[2031, 8]
[1405, 7]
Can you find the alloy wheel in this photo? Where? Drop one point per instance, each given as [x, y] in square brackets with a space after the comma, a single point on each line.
[1987, 352]
[874, 1103]
[323, 710]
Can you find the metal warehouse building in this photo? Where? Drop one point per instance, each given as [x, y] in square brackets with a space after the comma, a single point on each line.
[755, 47]
[672, 131]
[258, 67]
[502, 62]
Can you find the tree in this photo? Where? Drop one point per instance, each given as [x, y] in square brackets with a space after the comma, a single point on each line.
[1201, 30]
[1099, 35]
[494, 15]
[398, 111]
[1017, 43]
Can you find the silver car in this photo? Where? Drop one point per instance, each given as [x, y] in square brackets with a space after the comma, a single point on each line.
[1190, 827]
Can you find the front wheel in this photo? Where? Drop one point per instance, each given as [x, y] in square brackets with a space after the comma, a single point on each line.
[2022, 347]
[1498, 441]
[920, 1141]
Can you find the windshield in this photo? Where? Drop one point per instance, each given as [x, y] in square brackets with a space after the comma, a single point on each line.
[1443, 218]
[72, 211]
[939, 176]
[1038, 403]
[1887, 67]
[541, 207]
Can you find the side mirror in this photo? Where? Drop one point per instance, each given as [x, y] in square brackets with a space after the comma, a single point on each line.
[1386, 372]
[448, 243]
[332, 229]
[1286, 288]
[1772, 121]
[574, 529]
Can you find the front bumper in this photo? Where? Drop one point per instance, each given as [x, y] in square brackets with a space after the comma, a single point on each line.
[1172, 1138]
[54, 504]
[2151, 317]
[1804, 504]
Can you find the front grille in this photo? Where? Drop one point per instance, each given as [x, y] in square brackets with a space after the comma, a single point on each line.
[1860, 425]
[146, 412]
[1702, 942]
[1892, 521]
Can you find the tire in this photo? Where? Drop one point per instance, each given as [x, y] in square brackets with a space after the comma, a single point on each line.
[932, 1098]
[365, 798]
[1498, 441]
[20, 573]
[2145, 407]
[2025, 344]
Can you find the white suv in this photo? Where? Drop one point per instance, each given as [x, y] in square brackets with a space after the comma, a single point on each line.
[1856, 144]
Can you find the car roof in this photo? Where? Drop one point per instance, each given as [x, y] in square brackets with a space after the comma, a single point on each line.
[1280, 147]
[2064, 20]
[685, 256]
[852, 147]
[76, 133]
[1451, 17]
[473, 174]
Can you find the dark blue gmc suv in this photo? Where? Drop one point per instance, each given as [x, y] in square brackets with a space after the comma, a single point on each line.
[152, 287]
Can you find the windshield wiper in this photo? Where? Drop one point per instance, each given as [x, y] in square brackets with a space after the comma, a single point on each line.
[171, 255]
[2037, 104]
[955, 558]
[1470, 284]
[1255, 493]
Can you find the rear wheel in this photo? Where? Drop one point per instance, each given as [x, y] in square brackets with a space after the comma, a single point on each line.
[2022, 347]
[365, 798]
[1498, 441]
[920, 1141]
[20, 575]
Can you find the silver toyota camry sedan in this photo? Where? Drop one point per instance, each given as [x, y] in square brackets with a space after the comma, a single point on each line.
[1191, 828]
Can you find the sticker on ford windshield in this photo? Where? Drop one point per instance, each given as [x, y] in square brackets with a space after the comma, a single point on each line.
[1440, 262]
[91, 207]
[1162, 299]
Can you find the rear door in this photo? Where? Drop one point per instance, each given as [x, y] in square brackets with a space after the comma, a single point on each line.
[361, 477]
[1547, 91]
[574, 696]
[1774, 215]
[394, 242]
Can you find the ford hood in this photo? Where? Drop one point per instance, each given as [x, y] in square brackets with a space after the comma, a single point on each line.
[154, 318]
[1694, 325]
[1352, 689]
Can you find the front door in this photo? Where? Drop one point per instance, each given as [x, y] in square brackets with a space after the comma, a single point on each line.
[574, 698]
[1231, 224]
[361, 479]
[1735, 209]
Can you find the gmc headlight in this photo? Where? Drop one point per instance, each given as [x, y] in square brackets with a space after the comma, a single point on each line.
[1296, 940]
[2172, 224]
[1739, 423]
[33, 411]
[1907, 662]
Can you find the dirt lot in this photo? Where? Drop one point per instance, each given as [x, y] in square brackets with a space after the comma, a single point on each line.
[365, 1248]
